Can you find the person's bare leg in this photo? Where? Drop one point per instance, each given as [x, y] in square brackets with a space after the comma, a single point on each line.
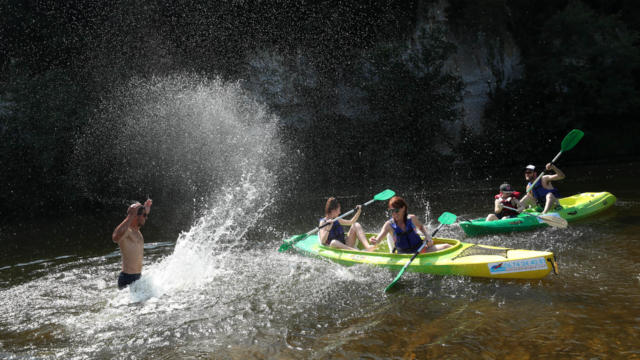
[339, 245]
[526, 201]
[492, 217]
[390, 242]
[357, 233]
[551, 203]
[438, 247]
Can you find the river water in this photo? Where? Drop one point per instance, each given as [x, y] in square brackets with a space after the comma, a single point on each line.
[216, 287]
[210, 299]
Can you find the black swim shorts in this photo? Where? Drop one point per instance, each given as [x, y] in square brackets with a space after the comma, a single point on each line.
[125, 279]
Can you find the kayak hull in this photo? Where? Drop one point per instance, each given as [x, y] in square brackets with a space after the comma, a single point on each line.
[574, 207]
[462, 259]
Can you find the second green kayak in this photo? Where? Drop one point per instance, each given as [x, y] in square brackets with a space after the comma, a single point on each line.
[573, 208]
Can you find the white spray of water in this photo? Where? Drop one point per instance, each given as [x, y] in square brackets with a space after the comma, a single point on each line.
[200, 254]
[188, 135]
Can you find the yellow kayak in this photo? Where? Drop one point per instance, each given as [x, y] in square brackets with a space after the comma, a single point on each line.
[461, 259]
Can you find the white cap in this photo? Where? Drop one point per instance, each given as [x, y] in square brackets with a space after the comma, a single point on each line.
[530, 167]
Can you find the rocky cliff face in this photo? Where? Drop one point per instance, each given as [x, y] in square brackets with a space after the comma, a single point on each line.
[483, 62]
[295, 89]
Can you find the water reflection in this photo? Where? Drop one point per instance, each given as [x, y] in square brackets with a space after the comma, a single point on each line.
[243, 299]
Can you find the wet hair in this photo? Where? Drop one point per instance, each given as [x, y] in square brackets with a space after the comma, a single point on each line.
[398, 202]
[332, 204]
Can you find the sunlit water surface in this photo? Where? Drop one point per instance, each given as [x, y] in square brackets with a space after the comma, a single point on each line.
[221, 289]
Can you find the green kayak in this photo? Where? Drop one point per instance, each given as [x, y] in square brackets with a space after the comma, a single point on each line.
[573, 208]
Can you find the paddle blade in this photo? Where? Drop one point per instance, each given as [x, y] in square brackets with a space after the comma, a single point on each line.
[572, 138]
[385, 195]
[288, 243]
[395, 280]
[554, 219]
[447, 218]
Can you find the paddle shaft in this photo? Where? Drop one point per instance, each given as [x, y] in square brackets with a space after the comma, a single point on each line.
[339, 217]
[510, 208]
[556, 223]
[445, 218]
[424, 243]
[286, 246]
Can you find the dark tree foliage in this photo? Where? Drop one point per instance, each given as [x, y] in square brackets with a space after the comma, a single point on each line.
[59, 61]
[409, 97]
[581, 70]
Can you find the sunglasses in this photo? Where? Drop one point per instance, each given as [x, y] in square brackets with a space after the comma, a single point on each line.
[528, 172]
[141, 211]
[393, 211]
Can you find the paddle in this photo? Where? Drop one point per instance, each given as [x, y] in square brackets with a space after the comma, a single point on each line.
[446, 218]
[385, 195]
[549, 219]
[569, 141]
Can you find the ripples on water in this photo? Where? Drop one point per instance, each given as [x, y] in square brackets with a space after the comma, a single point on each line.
[257, 303]
[221, 290]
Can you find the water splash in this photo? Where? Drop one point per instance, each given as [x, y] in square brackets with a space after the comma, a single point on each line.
[187, 138]
[201, 254]
[181, 138]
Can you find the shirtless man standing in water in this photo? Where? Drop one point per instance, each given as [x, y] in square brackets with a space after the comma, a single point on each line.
[128, 236]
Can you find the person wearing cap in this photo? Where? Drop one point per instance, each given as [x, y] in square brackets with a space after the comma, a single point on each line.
[128, 236]
[506, 197]
[543, 193]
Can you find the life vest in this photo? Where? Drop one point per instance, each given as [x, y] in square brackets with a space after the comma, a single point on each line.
[540, 193]
[335, 233]
[407, 241]
[505, 211]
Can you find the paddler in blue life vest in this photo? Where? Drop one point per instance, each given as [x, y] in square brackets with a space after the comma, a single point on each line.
[403, 228]
[506, 197]
[543, 193]
[333, 235]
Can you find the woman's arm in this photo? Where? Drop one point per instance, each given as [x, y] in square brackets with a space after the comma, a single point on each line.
[353, 219]
[323, 234]
[422, 229]
[383, 232]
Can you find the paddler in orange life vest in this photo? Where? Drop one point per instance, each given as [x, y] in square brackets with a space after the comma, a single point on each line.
[506, 197]
[543, 193]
